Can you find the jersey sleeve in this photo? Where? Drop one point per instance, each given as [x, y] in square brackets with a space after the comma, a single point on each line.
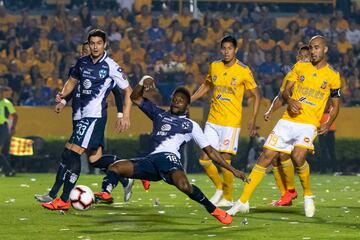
[292, 76]
[117, 74]
[150, 109]
[249, 80]
[336, 82]
[198, 136]
[75, 71]
[118, 98]
[209, 74]
[10, 107]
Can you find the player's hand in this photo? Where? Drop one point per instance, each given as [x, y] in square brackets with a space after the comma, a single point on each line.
[324, 128]
[252, 128]
[58, 98]
[241, 175]
[267, 116]
[149, 84]
[294, 106]
[59, 107]
[122, 124]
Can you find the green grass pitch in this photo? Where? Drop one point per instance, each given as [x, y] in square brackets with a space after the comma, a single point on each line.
[176, 216]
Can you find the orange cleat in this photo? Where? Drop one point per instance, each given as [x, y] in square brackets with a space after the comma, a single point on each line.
[103, 197]
[286, 200]
[57, 204]
[222, 216]
[146, 184]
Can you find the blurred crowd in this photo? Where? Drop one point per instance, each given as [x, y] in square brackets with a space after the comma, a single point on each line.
[37, 50]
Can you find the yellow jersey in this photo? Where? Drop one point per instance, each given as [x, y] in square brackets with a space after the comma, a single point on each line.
[229, 84]
[312, 88]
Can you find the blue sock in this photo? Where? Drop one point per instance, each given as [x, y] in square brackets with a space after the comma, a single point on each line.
[199, 197]
[111, 180]
[60, 175]
[72, 174]
[104, 162]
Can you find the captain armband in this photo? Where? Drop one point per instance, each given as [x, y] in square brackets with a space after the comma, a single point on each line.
[335, 93]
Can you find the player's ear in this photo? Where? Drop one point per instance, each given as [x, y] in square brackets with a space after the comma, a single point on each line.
[326, 49]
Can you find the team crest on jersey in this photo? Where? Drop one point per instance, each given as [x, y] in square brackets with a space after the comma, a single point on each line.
[214, 78]
[306, 139]
[323, 85]
[302, 78]
[233, 81]
[166, 127]
[102, 73]
[185, 125]
[226, 142]
[87, 84]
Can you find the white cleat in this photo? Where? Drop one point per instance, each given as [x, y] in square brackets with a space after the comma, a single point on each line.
[309, 206]
[239, 207]
[217, 196]
[224, 203]
[43, 198]
[128, 190]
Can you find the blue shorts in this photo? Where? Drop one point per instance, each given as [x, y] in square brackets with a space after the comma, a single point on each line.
[75, 122]
[89, 133]
[156, 167]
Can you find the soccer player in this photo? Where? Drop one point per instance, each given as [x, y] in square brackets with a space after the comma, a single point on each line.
[283, 168]
[76, 116]
[170, 130]
[95, 75]
[228, 78]
[308, 88]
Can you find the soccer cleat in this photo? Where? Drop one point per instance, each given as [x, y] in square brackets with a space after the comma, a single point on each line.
[216, 197]
[222, 216]
[286, 199]
[146, 184]
[43, 198]
[103, 197]
[309, 206]
[239, 207]
[57, 204]
[224, 203]
[128, 190]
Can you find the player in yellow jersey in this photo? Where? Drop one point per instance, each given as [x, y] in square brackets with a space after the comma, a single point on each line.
[308, 88]
[228, 78]
[283, 168]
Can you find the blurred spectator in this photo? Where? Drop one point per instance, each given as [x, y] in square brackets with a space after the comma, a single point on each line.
[331, 33]
[226, 21]
[255, 53]
[144, 19]
[85, 16]
[341, 23]
[165, 18]
[275, 33]
[184, 17]
[310, 30]
[302, 18]
[265, 43]
[343, 45]
[14, 80]
[269, 72]
[114, 32]
[215, 33]
[138, 4]
[155, 32]
[46, 67]
[174, 33]
[126, 4]
[286, 44]
[294, 28]
[353, 34]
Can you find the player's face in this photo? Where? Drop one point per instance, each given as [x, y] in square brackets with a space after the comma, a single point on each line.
[179, 104]
[85, 50]
[228, 51]
[317, 50]
[303, 56]
[97, 46]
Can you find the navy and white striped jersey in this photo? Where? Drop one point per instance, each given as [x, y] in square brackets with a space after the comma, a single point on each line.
[171, 131]
[95, 82]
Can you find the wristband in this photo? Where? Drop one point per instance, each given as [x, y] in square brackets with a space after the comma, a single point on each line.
[120, 115]
[141, 82]
[63, 101]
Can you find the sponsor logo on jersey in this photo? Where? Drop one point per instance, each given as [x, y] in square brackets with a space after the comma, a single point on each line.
[221, 98]
[304, 100]
[102, 73]
[324, 84]
[87, 84]
[226, 142]
[233, 81]
[302, 78]
[306, 139]
[166, 127]
[214, 78]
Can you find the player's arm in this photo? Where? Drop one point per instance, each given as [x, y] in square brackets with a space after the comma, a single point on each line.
[59, 106]
[202, 90]
[256, 104]
[335, 104]
[123, 116]
[146, 83]
[294, 105]
[275, 105]
[14, 116]
[67, 89]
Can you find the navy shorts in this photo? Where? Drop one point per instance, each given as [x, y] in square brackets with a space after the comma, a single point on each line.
[89, 133]
[156, 167]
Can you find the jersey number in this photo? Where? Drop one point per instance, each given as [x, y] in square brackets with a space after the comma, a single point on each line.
[273, 139]
[81, 129]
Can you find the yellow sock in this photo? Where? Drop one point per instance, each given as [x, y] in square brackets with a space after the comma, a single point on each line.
[304, 175]
[279, 179]
[256, 176]
[288, 170]
[212, 171]
[228, 183]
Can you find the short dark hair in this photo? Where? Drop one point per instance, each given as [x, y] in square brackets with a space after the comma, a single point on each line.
[97, 33]
[184, 91]
[229, 39]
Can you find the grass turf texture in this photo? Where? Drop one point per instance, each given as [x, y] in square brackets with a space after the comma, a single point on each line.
[176, 216]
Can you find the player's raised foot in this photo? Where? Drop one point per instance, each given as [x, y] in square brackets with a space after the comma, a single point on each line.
[146, 184]
[217, 196]
[309, 206]
[103, 197]
[57, 204]
[128, 190]
[286, 199]
[43, 198]
[238, 207]
[222, 216]
[224, 203]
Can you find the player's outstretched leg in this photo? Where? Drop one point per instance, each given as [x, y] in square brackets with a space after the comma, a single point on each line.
[213, 173]
[70, 180]
[182, 183]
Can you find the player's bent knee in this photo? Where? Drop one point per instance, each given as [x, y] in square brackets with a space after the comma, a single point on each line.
[205, 162]
[184, 186]
[267, 157]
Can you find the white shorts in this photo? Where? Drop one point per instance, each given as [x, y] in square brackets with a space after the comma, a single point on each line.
[286, 135]
[222, 138]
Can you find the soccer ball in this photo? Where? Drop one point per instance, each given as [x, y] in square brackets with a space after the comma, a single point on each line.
[81, 197]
